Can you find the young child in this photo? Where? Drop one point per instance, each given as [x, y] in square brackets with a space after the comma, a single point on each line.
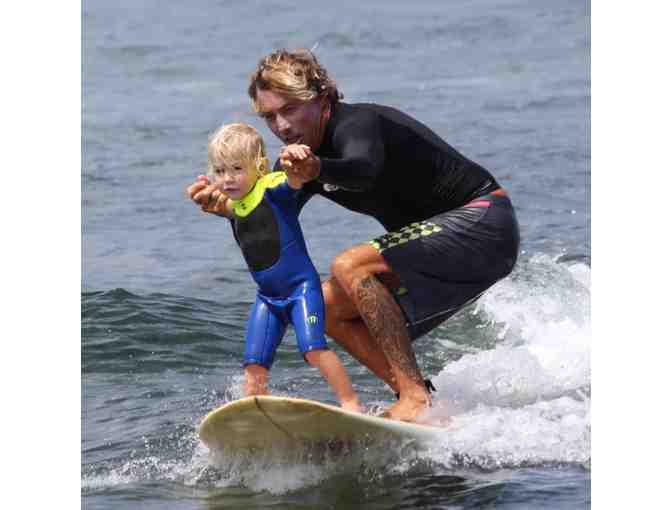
[263, 211]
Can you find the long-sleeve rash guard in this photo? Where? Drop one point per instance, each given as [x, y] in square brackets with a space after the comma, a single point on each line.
[381, 162]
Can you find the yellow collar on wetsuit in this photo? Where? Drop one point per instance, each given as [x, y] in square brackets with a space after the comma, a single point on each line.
[249, 202]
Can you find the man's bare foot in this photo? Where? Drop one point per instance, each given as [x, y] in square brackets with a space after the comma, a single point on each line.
[408, 408]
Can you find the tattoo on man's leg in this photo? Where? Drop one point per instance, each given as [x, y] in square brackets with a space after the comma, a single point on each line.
[385, 321]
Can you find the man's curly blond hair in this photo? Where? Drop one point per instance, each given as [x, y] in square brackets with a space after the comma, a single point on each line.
[296, 74]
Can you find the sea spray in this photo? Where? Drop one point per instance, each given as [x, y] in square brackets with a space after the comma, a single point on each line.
[526, 401]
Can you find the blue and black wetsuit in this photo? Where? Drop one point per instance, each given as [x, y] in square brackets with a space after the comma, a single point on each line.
[266, 227]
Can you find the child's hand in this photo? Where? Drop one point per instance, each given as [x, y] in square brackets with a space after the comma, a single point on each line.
[208, 197]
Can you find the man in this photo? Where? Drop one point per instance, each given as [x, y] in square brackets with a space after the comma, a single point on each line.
[452, 232]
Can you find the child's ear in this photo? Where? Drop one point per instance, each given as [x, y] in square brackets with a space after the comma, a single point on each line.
[262, 168]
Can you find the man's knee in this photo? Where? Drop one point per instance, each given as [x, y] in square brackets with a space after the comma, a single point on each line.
[351, 267]
[338, 305]
[343, 267]
[352, 278]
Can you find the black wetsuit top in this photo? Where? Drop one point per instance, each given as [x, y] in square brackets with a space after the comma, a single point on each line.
[390, 166]
[266, 227]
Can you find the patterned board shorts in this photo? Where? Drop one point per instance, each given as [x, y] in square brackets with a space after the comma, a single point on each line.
[446, 262]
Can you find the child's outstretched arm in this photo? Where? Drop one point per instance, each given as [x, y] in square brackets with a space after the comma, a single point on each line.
[333, 371]
[209, 198]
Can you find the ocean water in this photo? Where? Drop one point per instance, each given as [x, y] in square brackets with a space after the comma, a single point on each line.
[165, 292]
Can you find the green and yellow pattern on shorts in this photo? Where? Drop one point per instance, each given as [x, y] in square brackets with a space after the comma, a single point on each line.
[408, 233]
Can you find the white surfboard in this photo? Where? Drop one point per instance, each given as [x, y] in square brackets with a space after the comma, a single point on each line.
[268, 422]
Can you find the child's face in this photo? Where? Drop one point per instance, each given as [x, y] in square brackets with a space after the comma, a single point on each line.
[236, 180]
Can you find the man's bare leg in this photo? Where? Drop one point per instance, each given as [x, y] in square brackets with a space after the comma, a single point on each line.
[344, 324]
[355, 271]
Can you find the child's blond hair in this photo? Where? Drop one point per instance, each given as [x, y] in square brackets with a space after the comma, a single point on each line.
[236, 144]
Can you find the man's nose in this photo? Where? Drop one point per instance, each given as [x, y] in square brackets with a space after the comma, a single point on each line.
[283, 124]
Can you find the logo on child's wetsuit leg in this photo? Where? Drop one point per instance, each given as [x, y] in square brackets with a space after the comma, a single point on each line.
[312, 319]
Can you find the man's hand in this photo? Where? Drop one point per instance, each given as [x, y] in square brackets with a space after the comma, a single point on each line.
[300, 164]
[208, 197]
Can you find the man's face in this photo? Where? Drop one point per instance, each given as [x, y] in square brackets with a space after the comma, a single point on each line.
[292, 120]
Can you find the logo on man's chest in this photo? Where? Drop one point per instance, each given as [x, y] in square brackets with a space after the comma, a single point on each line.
[330, 187]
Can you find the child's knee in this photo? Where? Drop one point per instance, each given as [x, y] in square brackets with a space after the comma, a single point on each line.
[313, 357]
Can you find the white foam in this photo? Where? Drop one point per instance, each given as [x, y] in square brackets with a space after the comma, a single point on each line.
[273, 478]
[282, 472]
[555, 431]
[527, 399]
[142, 467]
